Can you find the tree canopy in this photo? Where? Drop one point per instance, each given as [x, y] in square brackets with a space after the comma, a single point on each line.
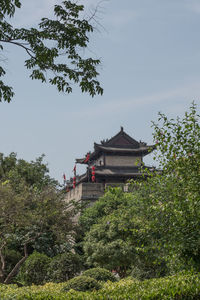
[33, 215]
[32, 220]
[18, 172]
[53, 48]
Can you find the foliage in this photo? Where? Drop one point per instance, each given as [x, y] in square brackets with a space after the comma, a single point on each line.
[19, 172]
[180, 286]
[30, 221]
[11, 257]
[108, 245]
[176, 204]
[155, 230]
[123, 240]
[100, 274]
[64, 267]
[34, 270]
[112, 199]
[53, 48]
[82, 284]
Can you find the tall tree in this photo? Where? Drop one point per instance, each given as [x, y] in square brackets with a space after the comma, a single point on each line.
[53, 48]
[32, 220]
[178, 145]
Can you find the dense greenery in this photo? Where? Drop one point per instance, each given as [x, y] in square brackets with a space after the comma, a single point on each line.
[17, 172]
[100, 274]
[34, 270]
[53, 48]
[32, 220]
[33, 215]
[148, 233]
[64, 266]
[180, 286]
[82, 283]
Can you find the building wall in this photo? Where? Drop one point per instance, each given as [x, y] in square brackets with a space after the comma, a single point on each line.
[91, 191]
[86, 191]
[126, 161]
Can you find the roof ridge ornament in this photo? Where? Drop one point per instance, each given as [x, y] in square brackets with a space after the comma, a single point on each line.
[122, 129]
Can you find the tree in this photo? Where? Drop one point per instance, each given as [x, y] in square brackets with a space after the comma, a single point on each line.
[19, 172]
[123, 239]
[34, 270]
[107, 245]
[113, 199]
[178, 145]
[52, 48]
[64, 267]
[32, 220]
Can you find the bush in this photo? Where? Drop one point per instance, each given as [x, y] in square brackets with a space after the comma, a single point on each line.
[64, 267]
[100, 274]
[82, 284]
[185, 286]
[34, 270]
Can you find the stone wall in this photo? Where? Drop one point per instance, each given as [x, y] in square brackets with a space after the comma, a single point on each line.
[86, 191]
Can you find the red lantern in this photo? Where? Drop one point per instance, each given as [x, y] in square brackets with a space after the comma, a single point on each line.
[93, 173]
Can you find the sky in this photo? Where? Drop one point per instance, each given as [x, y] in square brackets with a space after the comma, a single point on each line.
[150, 62]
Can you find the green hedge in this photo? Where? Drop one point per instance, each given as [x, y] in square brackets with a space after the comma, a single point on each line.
[82, 284]
[100, 274]
[64, 267]
[34, 270]
[177, 287]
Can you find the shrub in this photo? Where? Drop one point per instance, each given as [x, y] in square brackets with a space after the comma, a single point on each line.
[185, 286]
[64, 267]
[34, 270]
[100, 274]
[82, 284]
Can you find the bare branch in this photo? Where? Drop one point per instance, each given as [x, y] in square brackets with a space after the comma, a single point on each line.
[28, 50]
[95, 12]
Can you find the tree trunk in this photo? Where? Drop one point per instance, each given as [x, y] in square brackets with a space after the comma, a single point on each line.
[16, 268]
[2, 264]
[1, 276]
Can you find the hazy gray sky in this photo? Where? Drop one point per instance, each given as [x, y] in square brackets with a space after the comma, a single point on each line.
[150, 52]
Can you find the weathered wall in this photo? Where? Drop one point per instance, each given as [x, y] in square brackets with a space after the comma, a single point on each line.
[86, 191]
[125, 161]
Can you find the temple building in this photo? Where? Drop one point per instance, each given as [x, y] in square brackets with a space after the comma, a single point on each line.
[113, 162]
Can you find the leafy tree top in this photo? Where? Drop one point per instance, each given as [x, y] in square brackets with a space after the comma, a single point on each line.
[53, 49]
[19, 172]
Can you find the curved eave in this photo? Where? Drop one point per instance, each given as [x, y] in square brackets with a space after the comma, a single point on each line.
[81, 161]
[99, 149]
[128, 175]
[141, 150]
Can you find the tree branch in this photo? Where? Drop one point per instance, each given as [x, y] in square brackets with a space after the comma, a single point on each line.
[15, 270]
[2, 268]
[28, 50]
